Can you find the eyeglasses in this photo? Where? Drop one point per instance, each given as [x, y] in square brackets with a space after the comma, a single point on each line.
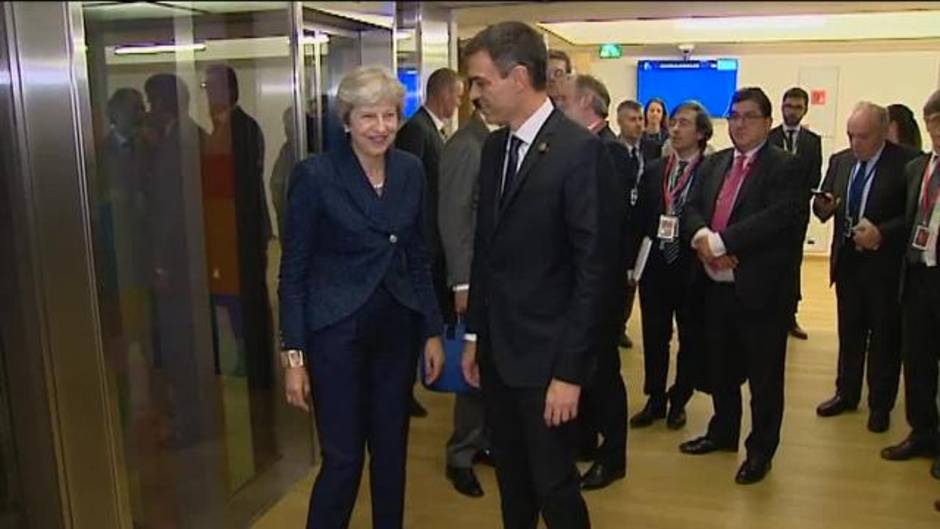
[788, 106]
[748, 117]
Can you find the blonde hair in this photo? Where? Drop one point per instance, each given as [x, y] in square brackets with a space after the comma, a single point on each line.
[368, 85]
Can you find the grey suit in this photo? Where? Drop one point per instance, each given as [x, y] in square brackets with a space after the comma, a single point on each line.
[457, 208]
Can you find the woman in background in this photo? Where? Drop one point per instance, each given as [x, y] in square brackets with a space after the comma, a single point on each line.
[903, 129]
[357, 302]
[657, 128]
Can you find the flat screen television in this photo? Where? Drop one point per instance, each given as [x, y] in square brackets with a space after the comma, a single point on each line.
[710, 82]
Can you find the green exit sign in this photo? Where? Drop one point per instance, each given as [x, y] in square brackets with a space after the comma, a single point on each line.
[610, 51]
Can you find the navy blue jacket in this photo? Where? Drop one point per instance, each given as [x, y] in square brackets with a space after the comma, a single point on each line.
[342, 241]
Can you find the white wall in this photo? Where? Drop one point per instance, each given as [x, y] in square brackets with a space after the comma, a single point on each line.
[883, 77]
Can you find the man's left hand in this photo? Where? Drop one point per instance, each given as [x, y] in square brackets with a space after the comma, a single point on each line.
[561, 402]
[867, 236]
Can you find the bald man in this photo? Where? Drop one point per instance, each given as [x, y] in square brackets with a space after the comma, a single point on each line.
[865, 195]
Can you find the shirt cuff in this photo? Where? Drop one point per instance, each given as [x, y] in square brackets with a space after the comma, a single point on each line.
[470, 337]
[716, 245]
[702, 232]
[461, 287]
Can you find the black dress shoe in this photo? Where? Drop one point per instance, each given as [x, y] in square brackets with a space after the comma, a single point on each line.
[655, 409]
[909, 448]
[752, 470]
[676, 418]
[835, 406]
[797, 332]
[484, 457]
[626, 342]
[935, 468]
[703, 445]
[601, 475]
[417, 410]
[879, 421]
[936, 505]
[465, 481]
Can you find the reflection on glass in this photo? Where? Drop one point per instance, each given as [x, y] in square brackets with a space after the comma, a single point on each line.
[188, 127]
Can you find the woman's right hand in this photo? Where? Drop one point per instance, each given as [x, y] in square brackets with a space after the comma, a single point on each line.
[297, 387]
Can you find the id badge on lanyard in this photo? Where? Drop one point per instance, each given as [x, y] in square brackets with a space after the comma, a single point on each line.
[668, 228]
[922, 232]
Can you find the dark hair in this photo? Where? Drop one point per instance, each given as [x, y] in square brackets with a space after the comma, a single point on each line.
[703, 122]
[663, 125]
[908, 131]
[511, 44]
[441, 80]
[168, 89]
[797, 93]
[121, 101]
[755, 94]
[932, 106]
[559, 55]
[631, 104]
[231, 80]
[600, 98]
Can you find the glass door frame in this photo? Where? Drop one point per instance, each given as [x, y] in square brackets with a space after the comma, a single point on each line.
[69, 433]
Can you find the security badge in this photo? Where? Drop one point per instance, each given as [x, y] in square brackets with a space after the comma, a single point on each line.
[634, 196]
[920, 238]
[668, 228]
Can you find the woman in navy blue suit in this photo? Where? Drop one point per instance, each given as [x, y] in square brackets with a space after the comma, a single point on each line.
[357, 302]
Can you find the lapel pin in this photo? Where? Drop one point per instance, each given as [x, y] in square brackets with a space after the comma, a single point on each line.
[543, 147]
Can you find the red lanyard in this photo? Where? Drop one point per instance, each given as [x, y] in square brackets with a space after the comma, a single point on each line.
[928, 203]
[669, 195]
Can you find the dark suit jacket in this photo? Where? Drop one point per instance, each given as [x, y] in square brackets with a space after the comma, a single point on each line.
[914, 174]
[459, 192]
[808, 154]
[342, 241]
[421, 138]
[542, 260]
[885, 207]
[766, 212]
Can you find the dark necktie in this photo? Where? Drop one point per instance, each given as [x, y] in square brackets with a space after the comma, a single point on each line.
[791, 141]
[512, 166]
[671, 248]
[856, 194]
[443, 132]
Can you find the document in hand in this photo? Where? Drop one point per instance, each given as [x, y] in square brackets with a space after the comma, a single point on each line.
[641, 258]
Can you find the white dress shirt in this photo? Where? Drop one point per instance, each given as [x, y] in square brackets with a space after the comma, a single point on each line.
[715, 243]
[439, 123]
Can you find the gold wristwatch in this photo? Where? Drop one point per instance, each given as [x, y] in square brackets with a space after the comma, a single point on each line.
[292, 358]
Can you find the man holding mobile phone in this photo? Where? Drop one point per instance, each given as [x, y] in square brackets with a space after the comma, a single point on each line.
[865, 193]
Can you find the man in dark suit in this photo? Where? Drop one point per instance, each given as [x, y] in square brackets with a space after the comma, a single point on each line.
[457, 214]
[920, 299]
[667, 288]
[741, 218]
[541, 264]
[423, 135]
[604, 402]
[865, 193]
[806, 145]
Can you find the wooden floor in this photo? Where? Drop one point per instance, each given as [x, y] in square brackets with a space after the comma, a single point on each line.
[827, 473]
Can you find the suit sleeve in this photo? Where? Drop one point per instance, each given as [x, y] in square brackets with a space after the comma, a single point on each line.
[476, 302]
[893, 229]
[828, 185]
[780, 215]
[457, 205]
[298, 246]
[419, 267]
[592, 244]
[693, 219]
[411, 139]
[815, 170]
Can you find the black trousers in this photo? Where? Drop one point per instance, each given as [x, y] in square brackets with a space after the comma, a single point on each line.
[745, 345]
[921, 349]
[869, 322]
[362, 369]
[666, 293]
[603, 407]
[535, 464]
